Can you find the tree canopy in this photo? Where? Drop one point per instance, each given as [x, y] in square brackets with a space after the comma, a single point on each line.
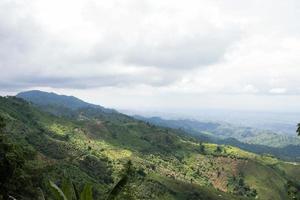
[2, 123]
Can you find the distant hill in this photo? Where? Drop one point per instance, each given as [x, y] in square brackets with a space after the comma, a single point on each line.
[247, 138]
[52, 99]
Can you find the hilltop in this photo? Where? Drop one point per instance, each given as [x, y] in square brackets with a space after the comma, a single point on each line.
[50, 99]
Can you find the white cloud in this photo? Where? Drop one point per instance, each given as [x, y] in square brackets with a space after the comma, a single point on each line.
[164, 48]
[278, 90]
[250, 89]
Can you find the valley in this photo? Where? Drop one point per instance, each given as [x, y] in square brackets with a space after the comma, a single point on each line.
[94, 145]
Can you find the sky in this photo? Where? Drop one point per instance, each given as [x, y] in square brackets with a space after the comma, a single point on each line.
[153, 54]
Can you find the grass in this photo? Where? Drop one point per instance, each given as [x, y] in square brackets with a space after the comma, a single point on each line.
[185, 190]
[291, 170]
[267, 181]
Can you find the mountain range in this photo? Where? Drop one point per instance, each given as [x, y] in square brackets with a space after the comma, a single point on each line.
[251, 139]
[48, 137]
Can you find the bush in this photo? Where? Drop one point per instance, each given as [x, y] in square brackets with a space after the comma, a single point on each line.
[237, 186]
[94, 167]
[14, 179]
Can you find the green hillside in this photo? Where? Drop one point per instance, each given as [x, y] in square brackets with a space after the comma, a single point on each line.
[88, 145]
[249, 139]
[225, 130]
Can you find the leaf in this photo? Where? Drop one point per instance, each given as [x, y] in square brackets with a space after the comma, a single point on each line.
[76, 191]
[122, 182]
[57, 192]
[68, 189]
[41, 194]
[117, 188]
[87, 193]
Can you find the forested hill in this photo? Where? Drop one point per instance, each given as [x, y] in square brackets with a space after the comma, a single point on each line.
[118, 157]
[250, 139]
[51, 99]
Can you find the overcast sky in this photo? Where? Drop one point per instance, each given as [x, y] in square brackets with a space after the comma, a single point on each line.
[154, 54]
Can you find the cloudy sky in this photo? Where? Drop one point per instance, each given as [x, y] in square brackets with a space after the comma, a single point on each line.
[153, 54]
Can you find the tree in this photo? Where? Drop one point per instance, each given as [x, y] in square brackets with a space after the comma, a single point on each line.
[218, 149]
[298, 129]
[15, 180]
[128, 171]
[2, 123]
[201, 148]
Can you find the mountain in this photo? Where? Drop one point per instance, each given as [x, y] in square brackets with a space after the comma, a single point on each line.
[124, 158]
[46, 99]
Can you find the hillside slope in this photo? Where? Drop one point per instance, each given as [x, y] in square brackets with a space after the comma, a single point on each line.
[249, 139]
[88, 145]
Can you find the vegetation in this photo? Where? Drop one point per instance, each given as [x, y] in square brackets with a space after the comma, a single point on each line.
[258, 141]
[237, 186]
[16, 179]
[69, 191]
[108, 155]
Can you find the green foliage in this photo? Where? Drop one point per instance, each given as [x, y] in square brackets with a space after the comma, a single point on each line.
[237, 186]
[68, 191]
[118, 187]
[14, 177]
[87, 193]
[97, 168]
[57, 193]
[2, 124]
[293, 190]
[201, 148]
[218, 149]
